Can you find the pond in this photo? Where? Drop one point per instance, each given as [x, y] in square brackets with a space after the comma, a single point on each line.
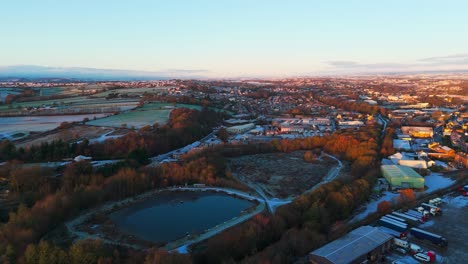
[172, 215]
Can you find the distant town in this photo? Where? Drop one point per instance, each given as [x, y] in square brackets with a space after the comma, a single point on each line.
[355, 169]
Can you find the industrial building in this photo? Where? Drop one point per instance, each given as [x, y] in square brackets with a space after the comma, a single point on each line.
[409, 160]
[461, 159]
[418, 132]
[365, 244]
[240, 129]
[402, 177]
[400, 144]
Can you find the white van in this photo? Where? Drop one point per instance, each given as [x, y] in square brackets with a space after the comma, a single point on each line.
[414, 249]
[401, 243]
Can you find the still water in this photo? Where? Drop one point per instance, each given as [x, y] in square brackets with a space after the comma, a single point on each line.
[171, 215]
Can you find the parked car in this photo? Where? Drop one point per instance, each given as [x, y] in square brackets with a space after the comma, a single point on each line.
[400, 250]
[422, 257]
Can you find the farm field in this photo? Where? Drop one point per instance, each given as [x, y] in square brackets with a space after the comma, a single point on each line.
[70, 103]
[74, 133]
[49, 91]
[69, 90]
[277, 180]
[9, 125]
[133, 91]
[45, 102]
[5, 91]
[149, 114]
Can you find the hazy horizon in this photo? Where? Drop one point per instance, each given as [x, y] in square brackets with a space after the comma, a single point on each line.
[222, 39]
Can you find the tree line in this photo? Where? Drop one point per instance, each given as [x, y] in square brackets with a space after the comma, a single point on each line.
[310, 220]
[184, 127]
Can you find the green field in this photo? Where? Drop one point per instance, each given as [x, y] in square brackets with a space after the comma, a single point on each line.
[66, 102]
[133, 91]
[149, 114]
[49, 91]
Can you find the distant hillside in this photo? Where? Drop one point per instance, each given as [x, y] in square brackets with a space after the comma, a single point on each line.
[31, 72]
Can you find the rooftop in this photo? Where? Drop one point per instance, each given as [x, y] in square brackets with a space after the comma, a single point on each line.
[400, 171]
[353, 245]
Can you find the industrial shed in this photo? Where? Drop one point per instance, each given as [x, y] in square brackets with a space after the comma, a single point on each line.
[365, 243]
[240, 129]
[402, 177]
[401, 144]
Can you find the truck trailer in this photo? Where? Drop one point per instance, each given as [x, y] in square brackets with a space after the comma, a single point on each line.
[434, 238]
[396, 234]
[397, 226]
[408, 218]
[396, 218]
[424, 217]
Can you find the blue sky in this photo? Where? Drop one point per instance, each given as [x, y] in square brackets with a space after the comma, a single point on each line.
[236, 38]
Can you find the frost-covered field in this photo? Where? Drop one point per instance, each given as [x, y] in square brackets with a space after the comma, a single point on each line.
[149, 114]
[371, 207]
[436, 181]
[10, 125]
[136, 118]
[4, 92]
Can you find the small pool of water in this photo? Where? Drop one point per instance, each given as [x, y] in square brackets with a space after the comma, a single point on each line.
[172, 215]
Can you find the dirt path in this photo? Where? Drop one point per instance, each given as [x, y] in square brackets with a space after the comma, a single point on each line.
[331, 175]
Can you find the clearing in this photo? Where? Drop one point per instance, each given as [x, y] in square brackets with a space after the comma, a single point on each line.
[275, 178]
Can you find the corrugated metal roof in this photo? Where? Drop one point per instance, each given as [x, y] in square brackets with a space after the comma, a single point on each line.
[400, 171]
[353, 245]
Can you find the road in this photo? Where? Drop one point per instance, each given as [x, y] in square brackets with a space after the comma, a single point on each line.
[384, 121]
[157, 159]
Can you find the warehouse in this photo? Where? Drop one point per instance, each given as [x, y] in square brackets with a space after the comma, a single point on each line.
[400, 144]
[418, 132]
[364, 244]
[240, 129]
[402, 177]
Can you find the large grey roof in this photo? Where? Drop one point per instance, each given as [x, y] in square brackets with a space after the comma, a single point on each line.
[353, 245]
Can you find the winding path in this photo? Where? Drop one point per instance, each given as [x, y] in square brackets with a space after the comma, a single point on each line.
[182, 245]
[72, 225]
[273, 203]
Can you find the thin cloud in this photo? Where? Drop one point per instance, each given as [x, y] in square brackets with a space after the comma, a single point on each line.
[449, 62]
[453, 57]
[187, 71]
[342, 63]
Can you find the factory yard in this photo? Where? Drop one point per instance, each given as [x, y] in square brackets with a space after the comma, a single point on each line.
[453, 225]
[268, 171]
